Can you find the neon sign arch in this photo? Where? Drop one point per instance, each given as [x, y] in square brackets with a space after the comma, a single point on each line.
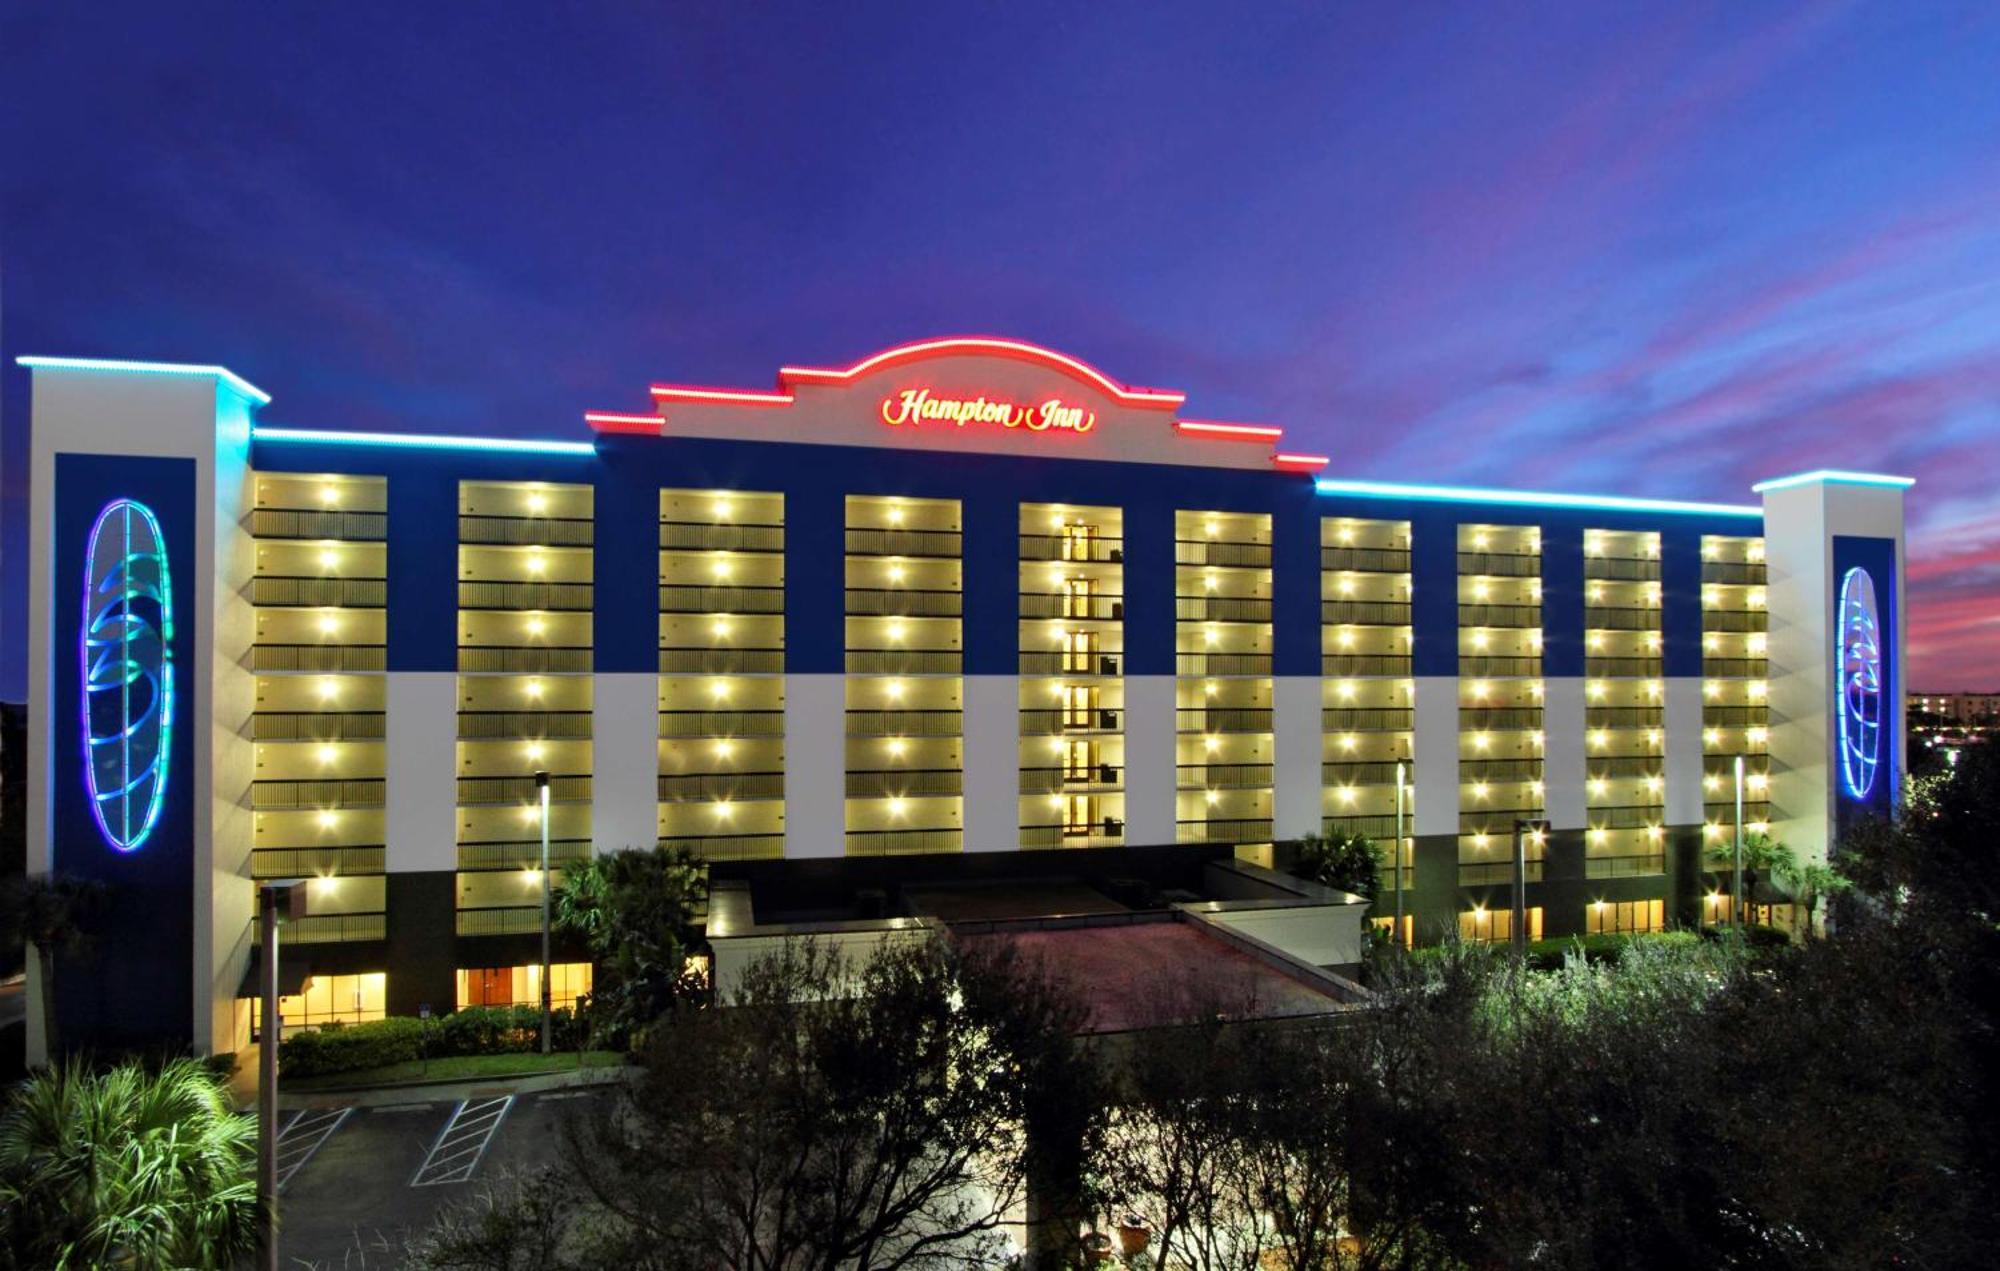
[127, 668]
[1858, 701]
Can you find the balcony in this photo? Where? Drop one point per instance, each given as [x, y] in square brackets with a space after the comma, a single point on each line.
[1238, 830]
[496, 659]
[523, 725]
[318, 726]
[699, 536]
[526, 531]
[690, 598]
[1501, 770]
[729, 847]
[1209, 551]
[1621, 617]
[900, 783]
[1373, 560]
[1621, 569]
[508, 597]
[905, 723]
[1735, 716]
[1500, 564]
[1369, 772]
[903, 842]
[1365, 613]
[1067, 780]
[1379, 828]
[1209, 608]
[1735, 620]
[1626, 766]
[878, 661]
[1070, 664]
[1348, 664]
[1623, 716]
[709, 787]
[281, 590]
[704, 724]
[1485, 615]
[722, 660]
[946, 544]
[1735, 668]
[1506, 718]
[1490, 666]
[350, 527]
[520, 854]
[1742, 573]
[333, 928]
[903, 602]
[1096, 607]
[1488, 873]
[512, 920]
[361, 792]
[1208, 664]
[318, 657]
[314, 862]
[474, 791]
[1629, 817]
[1078, 548]
[1365, 719]
[1624, 866]
[1109, 832]
[1060, 722]
[1224, 776]
[1223, 719]
[1623, 668]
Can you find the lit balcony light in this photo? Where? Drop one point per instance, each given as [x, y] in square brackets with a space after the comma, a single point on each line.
[1757, 781]
[895, 514]
[536, 626]
[1654, 688]
[896, 574]
[530, 811]
[327, 754]
[1347, 795]
[1346, 534]
[1213, 796]
[1596, 641]
[718, 689]
[1210, 528]
[1211, 743]
[1480, 540]
[1481, 839]
[719, 566]
[535, 752]
[1757, 642]
[719, 626]
[1592, 546]
[723, 809]
[1709, 688]
[1600, 739]
[1653, 782]
[1711, 736]
[896, 631]
[898, 747]
[895, 690]
[329, 495]
[1056, 745]
[326, 818]
[325, 885]
[1536, 837]
[1480, 689]
[536, 561]
[897, 804]
[1652, 736]
[1348, 741]
[1655, 832]
[1711, 643]
[328, 624]
[1210, 688]
[538, 503]
[1480, 591]
[1480, 640]
[1536, 737]
[1480, 790]
[720, 508]
[1055, 801]
[1209, 581]
[724, 748]
[1598, 785]
[1755, 553]
[1711, 782]
[1597, 834]
[1597, 690]
[1345, 639]
[328, 688]
[1482, 741]
[1210, 636]
[1346, 585]
[1759, 688]
[328, 558]
[1758, 734]
[1535, 787]
[533, 688]
[1346, 690]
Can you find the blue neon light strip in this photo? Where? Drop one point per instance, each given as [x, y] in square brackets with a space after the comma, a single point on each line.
[223, 373]
[1835, 476]
[422, 441]
[1525, 498]
[1857, 658]
[127, 648]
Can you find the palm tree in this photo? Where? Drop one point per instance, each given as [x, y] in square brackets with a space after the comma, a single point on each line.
[54, 913]
[126, 1168]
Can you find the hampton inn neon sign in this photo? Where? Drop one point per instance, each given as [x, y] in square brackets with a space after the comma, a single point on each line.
[915, 406]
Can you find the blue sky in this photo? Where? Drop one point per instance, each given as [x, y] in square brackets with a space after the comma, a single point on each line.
[1651, 249]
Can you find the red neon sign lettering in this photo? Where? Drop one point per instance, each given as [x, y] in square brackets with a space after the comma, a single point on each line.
[920, 406]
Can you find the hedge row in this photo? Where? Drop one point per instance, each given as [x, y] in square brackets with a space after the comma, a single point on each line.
[476, 1030]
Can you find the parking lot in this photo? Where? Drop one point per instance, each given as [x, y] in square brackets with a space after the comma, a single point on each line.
[355, 1181]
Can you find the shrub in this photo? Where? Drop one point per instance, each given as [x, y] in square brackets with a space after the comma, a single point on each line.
[476, 1030]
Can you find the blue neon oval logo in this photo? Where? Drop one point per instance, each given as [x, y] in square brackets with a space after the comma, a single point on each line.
[128, 672]
[1858, 654]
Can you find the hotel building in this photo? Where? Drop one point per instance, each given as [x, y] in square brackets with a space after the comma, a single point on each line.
[964, 605]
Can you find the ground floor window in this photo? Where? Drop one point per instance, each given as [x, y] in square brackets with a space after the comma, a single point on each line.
[522, 985]
[327, 999]
[1496, 924]
[1386, 925]
[1609, 916]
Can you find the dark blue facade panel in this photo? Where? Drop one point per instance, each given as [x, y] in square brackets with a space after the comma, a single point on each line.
[135, 988]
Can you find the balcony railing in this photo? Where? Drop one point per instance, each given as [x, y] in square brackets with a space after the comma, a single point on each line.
[904, 602]
[1103, 719]
[903, 842]
[1061, 780]
[523, 725]
[521, 854]
[360, 792]
[1223, 719]
[1623, 668]
[526, 531]
[1207, 608]
[873, 542]
[283, 590]
[1621, 617]
[1344, 664]
[726, 660]
[1627, 817]
[1735, 620]
[1070, 664]
[698, 536]
[693, 598]
[894, 783]
[1626, 766]
[1624, 866]
[706, 787]
[1621, 568]
[1079, 548]
[904, 661]
[1224, 776]
[1735, 668]
[1205, 664]
[1374, 560]
[905, 723]
[353, 527]
[1745, 573]
[1365, 613]
[511, 596]
[1236, 830]
[318, 725]
[333, 928]
[1623, 716]
[1735, 716]
[1490, 666]
[1500, 564]
[1370, 772]
[1485, 874]
[474, 791]
[696, 724]
[1210, 551]
[1096, 607]
[730, 847]
[510, 920]
[479, 659]
[1472, 769]
[318, 657]
[1486, 615]
[1108, 832]
[1472, 718]
[1364, 719]
[312, 862]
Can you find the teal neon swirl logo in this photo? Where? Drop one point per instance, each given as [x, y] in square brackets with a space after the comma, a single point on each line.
[128, 672]
[1858, 655]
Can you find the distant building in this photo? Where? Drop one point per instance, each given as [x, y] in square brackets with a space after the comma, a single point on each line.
[964, 609]
[1958, 710]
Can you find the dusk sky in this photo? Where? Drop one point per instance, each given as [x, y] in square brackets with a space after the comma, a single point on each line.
[1645, 249]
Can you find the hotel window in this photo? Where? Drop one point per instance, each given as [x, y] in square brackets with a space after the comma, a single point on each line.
[1072, 642]
[1624, 705]
[1365, 687]
[522, 985]
[327, 999]
[1500, 741]
[319, 591]
[905, 601]
[526, 603]
[1222, 687]
[722, 662]
[1491, 925]
[1606, 917]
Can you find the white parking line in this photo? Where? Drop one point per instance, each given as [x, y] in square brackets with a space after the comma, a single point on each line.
[462, 1142]
[303, 1136]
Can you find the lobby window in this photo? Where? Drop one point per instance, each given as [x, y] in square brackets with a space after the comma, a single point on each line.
[327, 999]
[522, 985]
[1608, 916]
[1494, 925]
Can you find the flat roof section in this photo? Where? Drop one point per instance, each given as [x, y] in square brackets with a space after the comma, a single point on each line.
[1158, 974]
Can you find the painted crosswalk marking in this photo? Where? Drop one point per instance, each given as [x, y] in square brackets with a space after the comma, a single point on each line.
[462, 1142]
[302, 1136]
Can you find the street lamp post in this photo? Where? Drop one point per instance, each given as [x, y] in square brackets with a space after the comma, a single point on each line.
[276, 901]
[1398, 856]
[1736, 880]
[542, 792]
